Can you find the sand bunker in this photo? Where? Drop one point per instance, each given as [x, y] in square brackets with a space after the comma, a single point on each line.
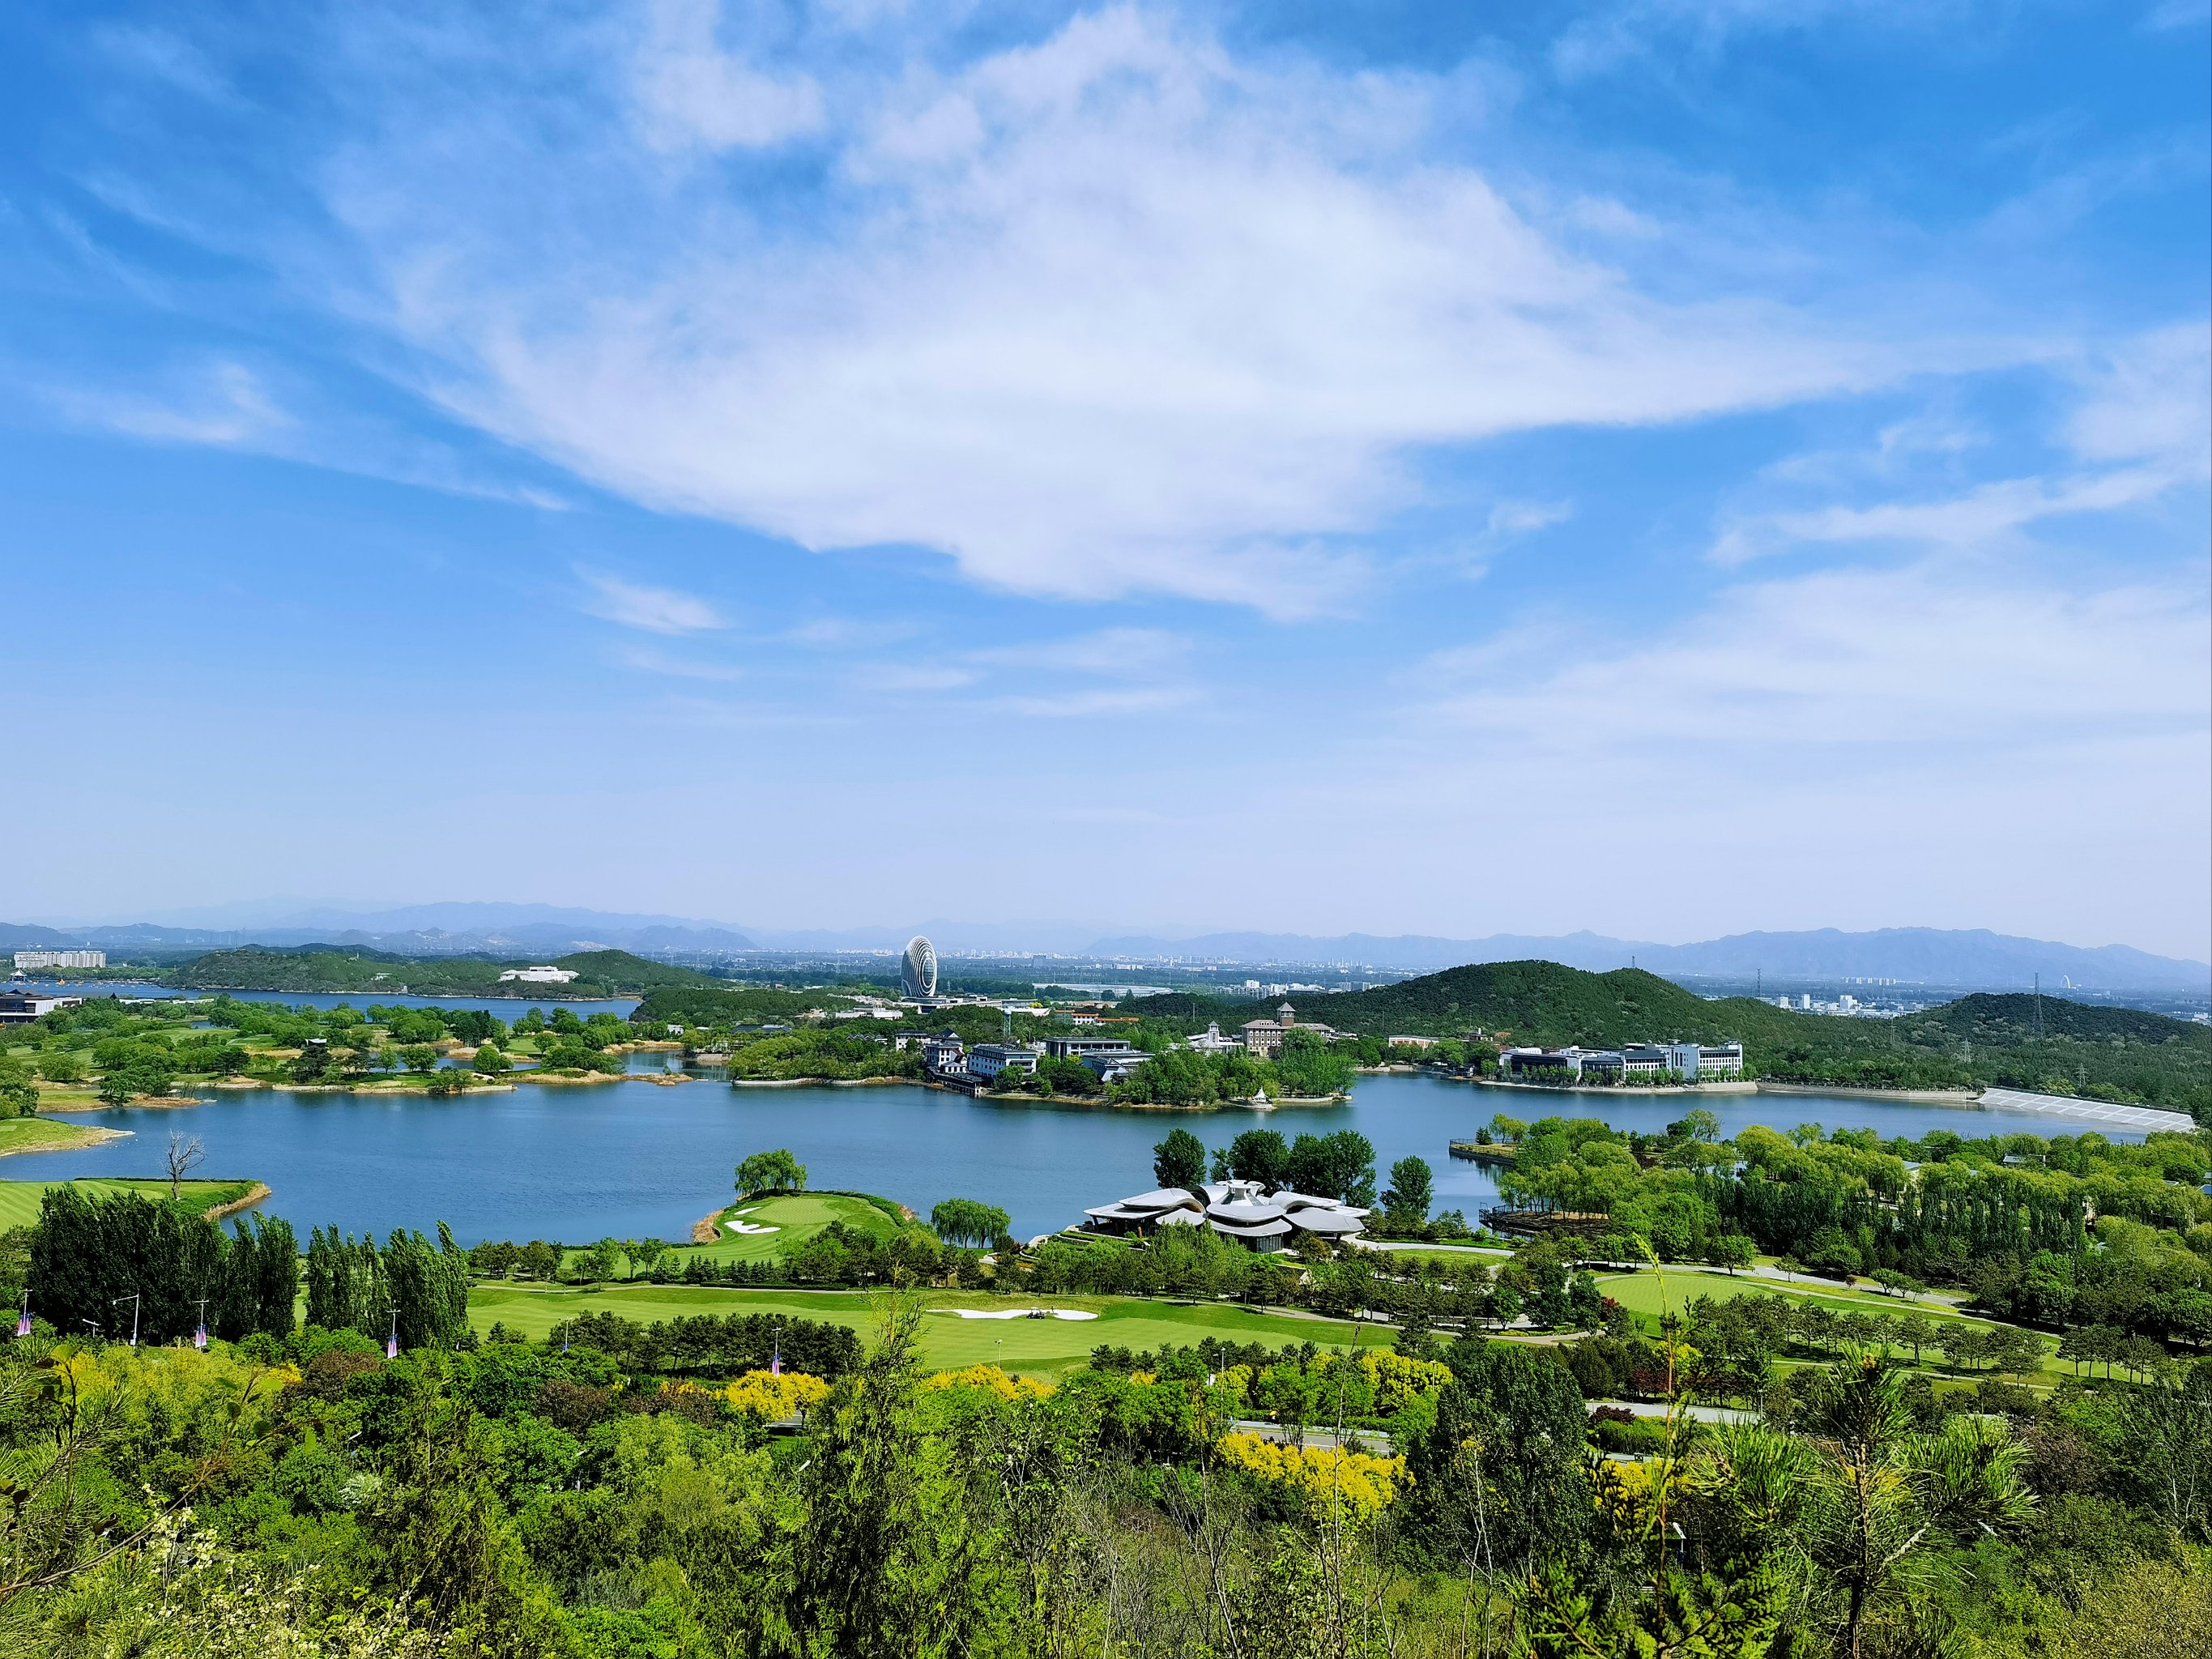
[1017, 1313]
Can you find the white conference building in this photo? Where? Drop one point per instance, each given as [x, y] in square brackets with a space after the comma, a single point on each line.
[1242, 1210]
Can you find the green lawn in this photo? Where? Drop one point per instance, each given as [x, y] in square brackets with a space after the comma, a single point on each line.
[1641, 1294]
[40, 1134]
[19, 1200]
[796, 1216]
[1035, 1348]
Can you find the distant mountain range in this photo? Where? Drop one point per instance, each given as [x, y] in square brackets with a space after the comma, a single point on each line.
[1974, 959]
[414, 930]
[1928, 956]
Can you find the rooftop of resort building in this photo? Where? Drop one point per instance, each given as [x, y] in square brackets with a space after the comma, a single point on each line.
[1241, 1210]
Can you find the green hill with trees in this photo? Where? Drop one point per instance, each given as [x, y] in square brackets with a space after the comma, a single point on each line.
[1535, 1001]
[2048, 1043]
[345, 970]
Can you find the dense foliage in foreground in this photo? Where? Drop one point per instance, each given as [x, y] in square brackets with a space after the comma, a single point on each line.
[309, 1497]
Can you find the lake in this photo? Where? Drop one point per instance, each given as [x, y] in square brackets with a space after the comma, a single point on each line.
[576, 1162]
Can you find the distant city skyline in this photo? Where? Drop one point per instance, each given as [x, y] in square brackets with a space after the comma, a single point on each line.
[1673, 470]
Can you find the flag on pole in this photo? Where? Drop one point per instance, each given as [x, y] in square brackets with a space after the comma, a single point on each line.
[23, 1322]
[199, 1336]
[775, 1361]
[391, 1347]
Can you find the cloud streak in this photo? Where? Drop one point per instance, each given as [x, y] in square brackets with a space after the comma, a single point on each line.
[652, 610]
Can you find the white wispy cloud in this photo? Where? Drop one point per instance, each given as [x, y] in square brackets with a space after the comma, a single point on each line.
[655, 609]
[1105, 673]
[164, 55]
[1616, 33]
[1118, 311]
[220, 402]
[690, 91]
[1860, 661]
[2140, 428]
[647, 660]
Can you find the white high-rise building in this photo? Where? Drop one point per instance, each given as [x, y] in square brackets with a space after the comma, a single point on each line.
[918, 968]
[27, 960]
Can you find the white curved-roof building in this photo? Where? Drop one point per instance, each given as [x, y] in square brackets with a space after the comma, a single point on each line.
[1240, 1210]
[918, 968]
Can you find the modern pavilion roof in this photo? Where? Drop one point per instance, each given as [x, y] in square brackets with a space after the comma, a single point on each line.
[1243, 1210]
[1161, 1197]
[1316, 1220]
[1275, 1227]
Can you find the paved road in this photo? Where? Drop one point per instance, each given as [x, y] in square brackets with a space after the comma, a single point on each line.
[1658, 1408]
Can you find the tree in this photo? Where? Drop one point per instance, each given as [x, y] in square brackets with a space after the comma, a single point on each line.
[1863, 1496]
[1731, 1251]
[1340, 1165]
[965, 1221]
[1916, 1331]
[1499, 1478]
[1180, 1160]
[644, 1252]
[599, 1263]
[184, 1151]
[883, 1560]
[1698, 1124]
[1261, 1155]
[60, 1066]
[115, 1089]
[19, 1096]
[491, 1061]
[422, 1059]
[1412, 1190]
[776, 1171]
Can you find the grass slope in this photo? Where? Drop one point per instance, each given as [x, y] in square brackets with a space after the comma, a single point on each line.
[1035, 1348]
[19, 1200]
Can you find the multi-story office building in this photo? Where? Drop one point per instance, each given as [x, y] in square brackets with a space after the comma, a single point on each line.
[27, 960]
[990, 1059]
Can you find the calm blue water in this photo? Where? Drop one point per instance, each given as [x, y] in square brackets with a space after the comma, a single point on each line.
[507, 1008]
[576, 1162]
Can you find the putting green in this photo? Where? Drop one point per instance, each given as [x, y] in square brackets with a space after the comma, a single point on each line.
[796, 1216]
[1034, 1348]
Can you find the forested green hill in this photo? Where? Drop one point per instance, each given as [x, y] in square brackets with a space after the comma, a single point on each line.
[346, 972]
[717, 1003]
[1535, 1001]
[2110, 1054]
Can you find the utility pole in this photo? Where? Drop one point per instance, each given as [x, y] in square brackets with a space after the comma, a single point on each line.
[133, 1300]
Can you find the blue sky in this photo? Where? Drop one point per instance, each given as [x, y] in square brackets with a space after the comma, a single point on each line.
[1667, 467]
